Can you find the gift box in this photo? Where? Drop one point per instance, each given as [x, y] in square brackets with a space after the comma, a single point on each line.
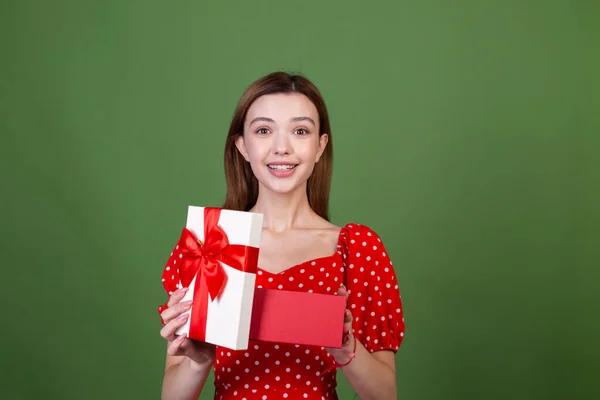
[219, 256]
[283, 316]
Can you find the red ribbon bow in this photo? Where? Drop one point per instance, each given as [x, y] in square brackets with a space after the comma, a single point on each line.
[203, 261]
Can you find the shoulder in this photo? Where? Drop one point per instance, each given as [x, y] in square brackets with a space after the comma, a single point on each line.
[360, 234]
[363, 245]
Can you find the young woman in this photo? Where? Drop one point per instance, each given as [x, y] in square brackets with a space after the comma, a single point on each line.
[278, 160]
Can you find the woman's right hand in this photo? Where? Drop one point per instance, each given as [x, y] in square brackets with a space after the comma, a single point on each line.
[175, 316]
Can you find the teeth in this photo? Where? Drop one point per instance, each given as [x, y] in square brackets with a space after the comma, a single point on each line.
[282, 167]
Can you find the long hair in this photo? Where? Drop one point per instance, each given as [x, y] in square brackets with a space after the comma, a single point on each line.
[242, 185]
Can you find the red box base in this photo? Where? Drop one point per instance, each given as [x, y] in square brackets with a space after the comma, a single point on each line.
[283, 316]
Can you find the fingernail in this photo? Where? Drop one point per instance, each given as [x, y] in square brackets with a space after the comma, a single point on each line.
[183, 316]
[343, 286]
[183, 289]
[186, 304]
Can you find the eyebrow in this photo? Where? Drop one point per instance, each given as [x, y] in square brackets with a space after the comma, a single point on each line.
[295, 119]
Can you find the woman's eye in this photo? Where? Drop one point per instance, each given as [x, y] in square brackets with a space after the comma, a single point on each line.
[262, 131]
[301, 131]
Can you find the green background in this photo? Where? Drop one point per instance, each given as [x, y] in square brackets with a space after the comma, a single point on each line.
[466, 133]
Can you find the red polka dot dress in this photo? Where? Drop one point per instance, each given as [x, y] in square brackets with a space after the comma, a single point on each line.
[293, 371]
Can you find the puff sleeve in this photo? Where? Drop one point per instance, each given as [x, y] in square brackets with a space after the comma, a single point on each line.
[170, 276]
[374, 295]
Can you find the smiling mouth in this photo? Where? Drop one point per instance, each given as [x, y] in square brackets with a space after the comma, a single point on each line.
[282, 167]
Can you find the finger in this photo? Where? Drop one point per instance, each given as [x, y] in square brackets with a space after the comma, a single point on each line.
[347, 317]
[342, 291]
[176, 345]
[168, 331]
[175, 310]
[177, 296]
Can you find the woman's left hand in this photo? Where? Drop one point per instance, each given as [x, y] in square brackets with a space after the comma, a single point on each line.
[346, 353]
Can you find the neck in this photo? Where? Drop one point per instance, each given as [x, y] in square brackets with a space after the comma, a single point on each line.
[283, 211]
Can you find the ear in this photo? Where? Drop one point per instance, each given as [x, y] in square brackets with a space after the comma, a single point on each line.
[323, 140]
[241, 146]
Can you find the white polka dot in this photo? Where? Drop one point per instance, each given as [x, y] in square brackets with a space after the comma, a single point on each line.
[287, 353]
[311, 277]
[285, 395]
[267, 370]
[256, 378]
[364, 243]
[301, 271]
[298, 376]
[357, 254]
[276, 346]
[300, 285]
[256, 362]
[288, 385]
[270, 279]
[280, 286]
[374, 247]
[168, 268]
[287, 369]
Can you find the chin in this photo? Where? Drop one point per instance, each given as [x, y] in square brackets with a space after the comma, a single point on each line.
[283, 186]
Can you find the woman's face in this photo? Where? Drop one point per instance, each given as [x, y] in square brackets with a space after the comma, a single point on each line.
[281, 141]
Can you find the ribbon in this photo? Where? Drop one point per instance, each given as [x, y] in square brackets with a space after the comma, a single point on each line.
[203, 261]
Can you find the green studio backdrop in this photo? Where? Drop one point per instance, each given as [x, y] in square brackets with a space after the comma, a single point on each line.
[465, 134]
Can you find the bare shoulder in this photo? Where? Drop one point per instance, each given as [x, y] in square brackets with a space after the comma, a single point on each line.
[323, 228]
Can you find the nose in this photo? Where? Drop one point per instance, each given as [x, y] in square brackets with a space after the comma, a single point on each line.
[281, 143]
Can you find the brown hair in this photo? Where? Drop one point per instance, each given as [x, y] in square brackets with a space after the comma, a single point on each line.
[242, 185]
